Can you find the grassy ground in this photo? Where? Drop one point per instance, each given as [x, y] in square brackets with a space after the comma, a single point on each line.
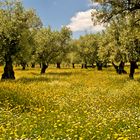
[70, 104]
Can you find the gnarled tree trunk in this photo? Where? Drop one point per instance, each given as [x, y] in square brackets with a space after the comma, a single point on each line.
[73, 65]
[133, 66]
[58, 65]
[32, 65]
[119, 69]
[44, 67]
[8, 69]
[99, 65]
[84, 66]
[115, 66]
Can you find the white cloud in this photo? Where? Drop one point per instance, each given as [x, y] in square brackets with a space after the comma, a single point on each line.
[93, 4]
[82, 22]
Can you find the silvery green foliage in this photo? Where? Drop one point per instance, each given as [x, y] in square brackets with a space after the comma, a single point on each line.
[110, 9]
[121, 41]
[51, 44]
[16, 24]
[88, 48]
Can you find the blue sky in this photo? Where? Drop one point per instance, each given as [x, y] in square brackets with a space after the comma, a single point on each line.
[56, 13]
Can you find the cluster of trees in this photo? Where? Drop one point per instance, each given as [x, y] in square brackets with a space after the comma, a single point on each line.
[24, 40]
[86, 49]
[121, 40]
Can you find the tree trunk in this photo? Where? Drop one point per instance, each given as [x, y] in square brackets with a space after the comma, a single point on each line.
[115, 66]
[93, 66]
[58, 65]
[73, 65]
[44, 67]
[8, 69]
[32, 65]
[120, 69]
[99, 65]
[23, 64]
[133, 66]
[84, 66]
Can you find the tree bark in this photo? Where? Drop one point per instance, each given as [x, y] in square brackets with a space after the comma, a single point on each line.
[133, 66]
[84, 66]
[120, 69]
[93, 66]
[44, 67]
[8, 69]
[32, 65]
[99, 65]
[58, 65]
[73, 65]
[115, 66]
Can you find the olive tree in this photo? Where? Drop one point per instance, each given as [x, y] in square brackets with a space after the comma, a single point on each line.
[125, 14]
[121, 43]
[111, 48]
[15, 26]
[88, 50]
[51, 45]
[63, 42]
[130, 40]
[73, 57]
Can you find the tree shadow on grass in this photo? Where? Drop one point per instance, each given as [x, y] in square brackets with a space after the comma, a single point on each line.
[60, 73]
[47, 77]
[20, 69]
[57, 73]
[53, 74]
[27, 80]
[137, 72]
[35, 74]
[65, 74]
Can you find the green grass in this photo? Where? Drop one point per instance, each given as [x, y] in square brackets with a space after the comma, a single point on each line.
[70, 104]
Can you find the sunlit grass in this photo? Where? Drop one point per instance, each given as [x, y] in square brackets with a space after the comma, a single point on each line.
[70, 104]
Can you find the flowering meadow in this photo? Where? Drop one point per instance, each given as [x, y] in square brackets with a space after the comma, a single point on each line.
[70, 104]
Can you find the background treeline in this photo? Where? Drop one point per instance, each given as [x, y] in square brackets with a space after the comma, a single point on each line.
[25, 41]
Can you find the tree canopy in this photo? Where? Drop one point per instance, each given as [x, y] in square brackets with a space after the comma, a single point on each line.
[110, 9]
[16, 24]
